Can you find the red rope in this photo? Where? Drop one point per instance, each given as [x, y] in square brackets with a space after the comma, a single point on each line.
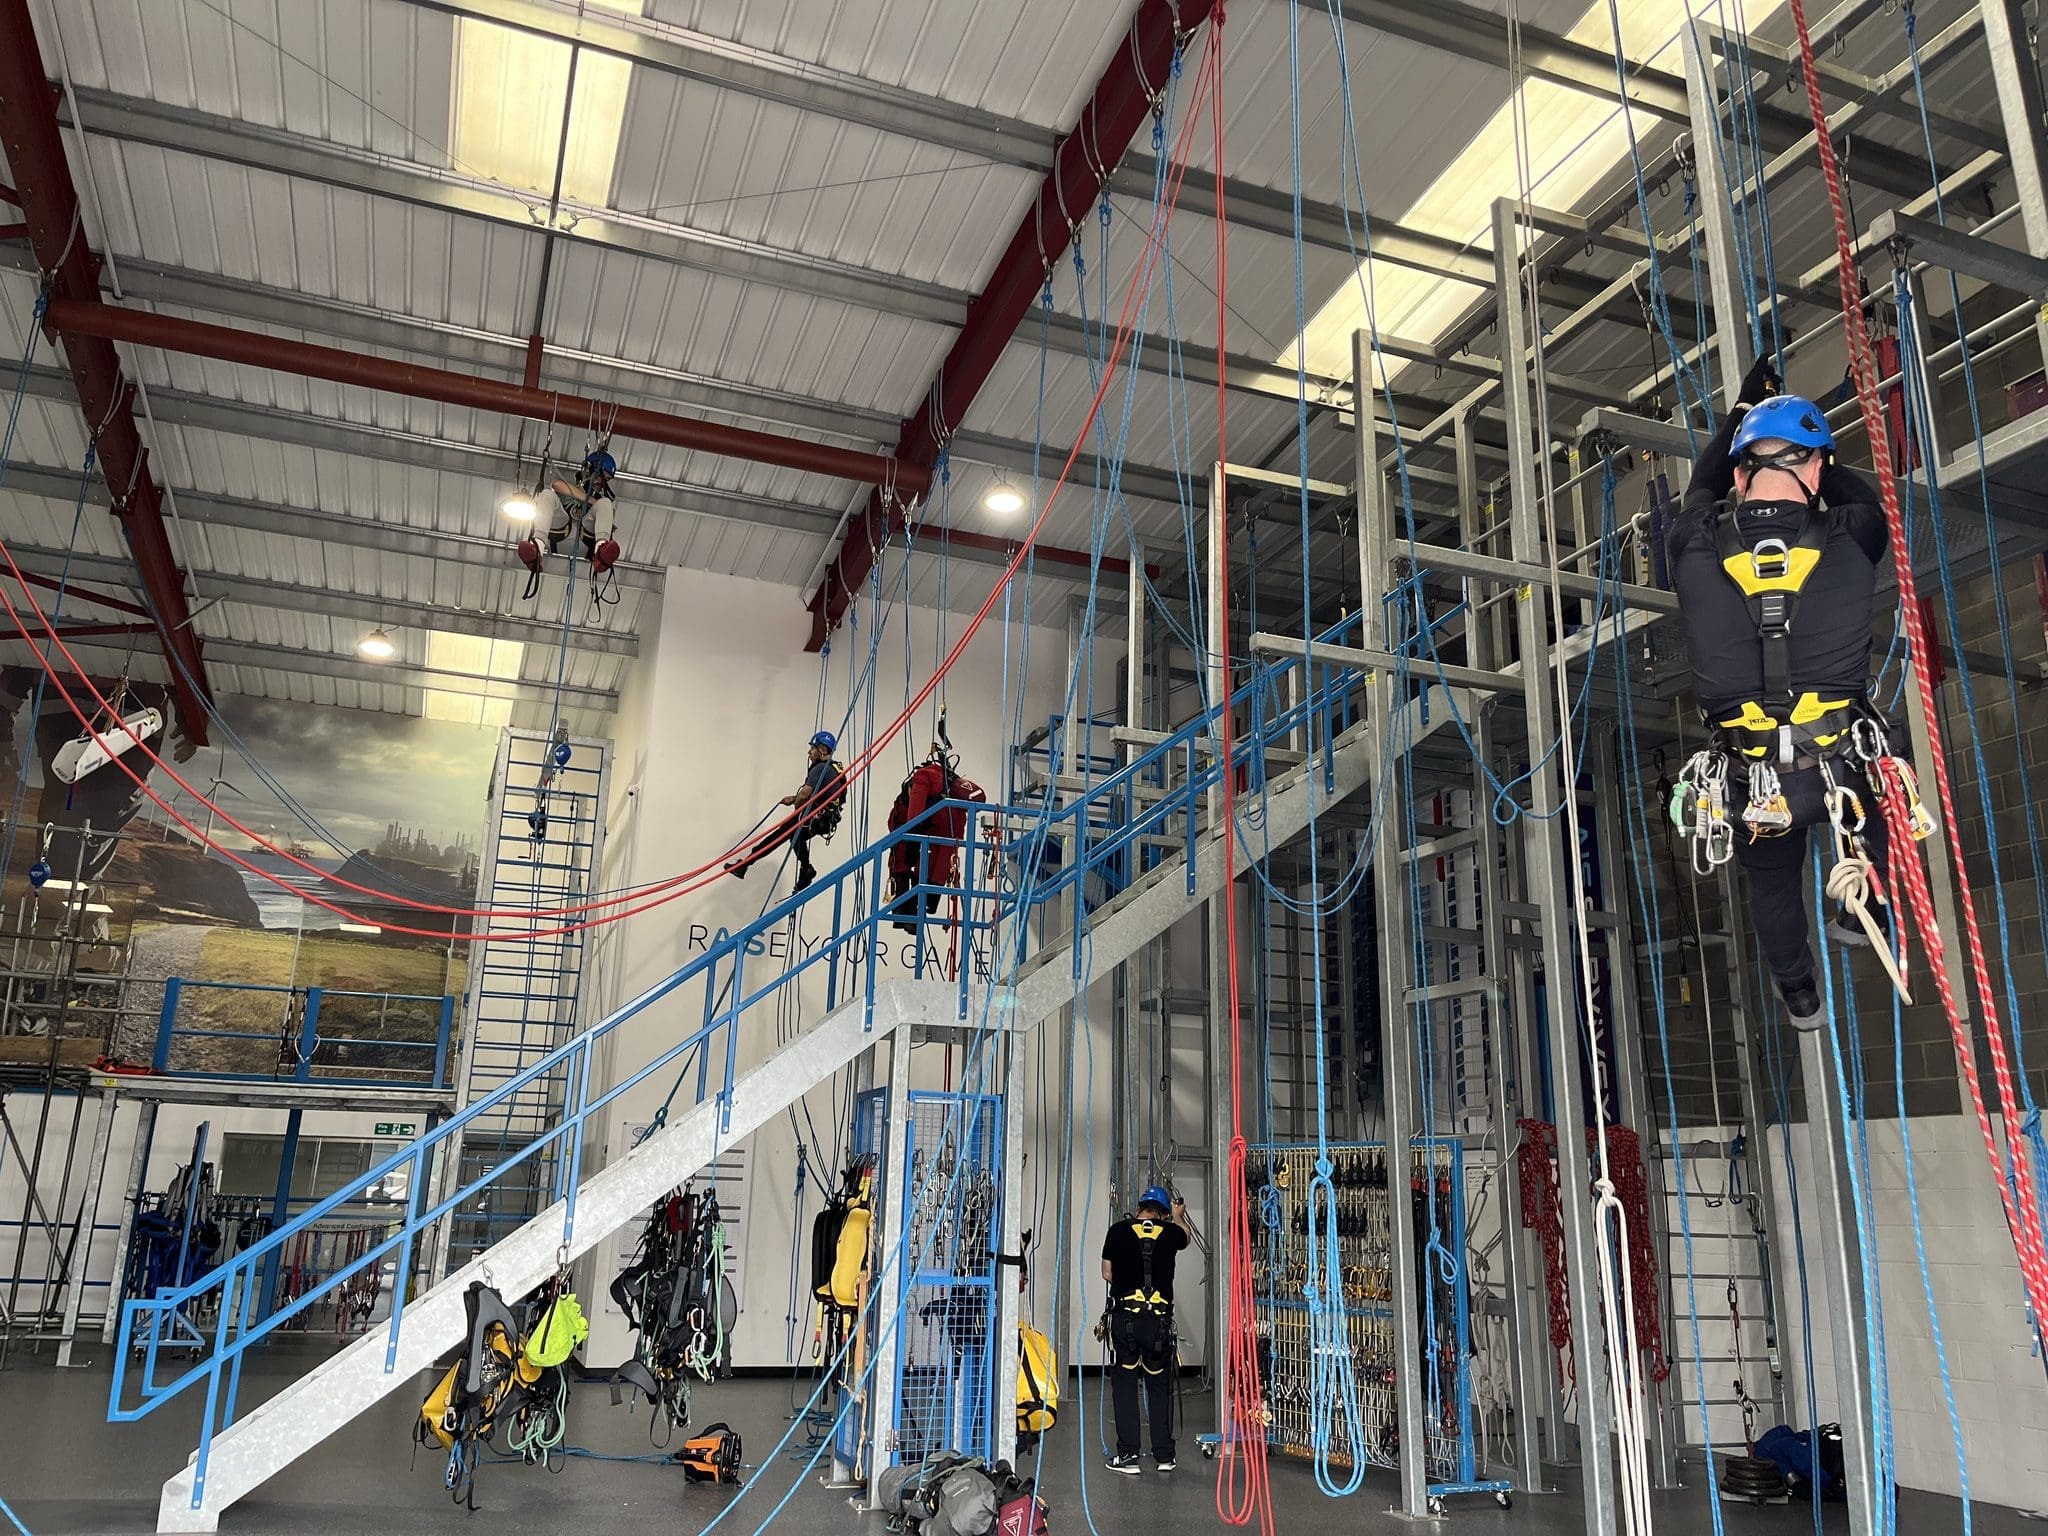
[1243, 1489]
[1543, 1213]
[2022, 1214]
[658, 893]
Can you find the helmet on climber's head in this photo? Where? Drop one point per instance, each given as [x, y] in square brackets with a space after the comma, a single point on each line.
[1157, 1198]
[826, 742]
[600, 466]
[1790, 419]
[1781, 448]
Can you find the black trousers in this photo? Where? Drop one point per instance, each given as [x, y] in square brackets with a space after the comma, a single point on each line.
[798, 836]
[1779, 872]
[1123, 1387]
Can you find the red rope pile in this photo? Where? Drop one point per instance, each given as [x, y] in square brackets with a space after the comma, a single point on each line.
[1543, 1214]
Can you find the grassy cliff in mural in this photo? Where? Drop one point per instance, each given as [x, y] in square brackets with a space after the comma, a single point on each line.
[288, 880]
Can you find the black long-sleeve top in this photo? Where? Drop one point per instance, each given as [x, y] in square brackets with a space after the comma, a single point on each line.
[1831, 639]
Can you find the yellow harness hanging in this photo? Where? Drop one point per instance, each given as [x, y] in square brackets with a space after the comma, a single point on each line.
[1038, 1382]
[850, 1258]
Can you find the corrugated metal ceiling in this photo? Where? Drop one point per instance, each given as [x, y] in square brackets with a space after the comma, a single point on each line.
[748, 175]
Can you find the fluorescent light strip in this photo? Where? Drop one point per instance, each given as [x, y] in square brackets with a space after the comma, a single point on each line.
[1576, 143]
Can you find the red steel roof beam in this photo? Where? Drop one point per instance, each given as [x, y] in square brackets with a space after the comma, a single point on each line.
[49, 205]
[227, 344]
[1137, 72]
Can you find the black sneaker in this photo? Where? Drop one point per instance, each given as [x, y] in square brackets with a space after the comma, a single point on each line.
[1846, 931]
[804, 877]
[1125, 1465]
[1802, 1001]
[737, 870]
[1167, 1463]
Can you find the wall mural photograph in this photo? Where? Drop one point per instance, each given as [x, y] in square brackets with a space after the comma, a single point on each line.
[109, 895]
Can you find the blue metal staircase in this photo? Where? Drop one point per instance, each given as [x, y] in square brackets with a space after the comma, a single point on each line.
[719, 1102]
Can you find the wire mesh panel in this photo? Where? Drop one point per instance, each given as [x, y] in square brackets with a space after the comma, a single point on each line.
[947, 1311]
[1370, 1196]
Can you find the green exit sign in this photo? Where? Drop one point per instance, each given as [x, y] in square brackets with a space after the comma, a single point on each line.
[404, 1128]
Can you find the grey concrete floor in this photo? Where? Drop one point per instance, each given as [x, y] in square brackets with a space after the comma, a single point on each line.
[65, 1470]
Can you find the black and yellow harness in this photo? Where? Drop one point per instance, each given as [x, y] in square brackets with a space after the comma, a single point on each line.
[1785, 727]
[1141, 1321]
[1785, 724]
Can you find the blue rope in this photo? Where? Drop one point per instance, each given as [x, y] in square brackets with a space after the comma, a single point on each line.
[1856, 1160]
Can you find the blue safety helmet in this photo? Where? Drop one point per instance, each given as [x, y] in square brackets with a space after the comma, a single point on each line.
[1156, 1196]
[1782, 418]
[601, 463]
[826, 740]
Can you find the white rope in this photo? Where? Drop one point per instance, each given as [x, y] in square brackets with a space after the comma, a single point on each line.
[1617, 1298]
[1852, 881]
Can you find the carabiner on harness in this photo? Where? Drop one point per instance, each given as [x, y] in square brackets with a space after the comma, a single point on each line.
[1767, 814]
[1712, 836]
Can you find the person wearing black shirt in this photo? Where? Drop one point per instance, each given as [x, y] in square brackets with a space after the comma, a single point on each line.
[1774, 558]
[1137, 1265]
[822, 777]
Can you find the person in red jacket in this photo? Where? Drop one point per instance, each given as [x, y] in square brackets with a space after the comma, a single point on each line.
[930, 856]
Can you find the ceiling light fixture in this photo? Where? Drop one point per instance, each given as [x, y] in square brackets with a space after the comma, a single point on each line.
[1004, 499]
[377, 646]
[520, 507]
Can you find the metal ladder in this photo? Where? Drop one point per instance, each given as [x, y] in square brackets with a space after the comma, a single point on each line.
[522, 1000]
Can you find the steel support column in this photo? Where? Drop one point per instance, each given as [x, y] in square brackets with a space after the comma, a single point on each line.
[1551, 890]
[1396, 938]
[1728, 279]
[1841, 1258]
[2015, 72]
[881, 1417]
[1638, 1107]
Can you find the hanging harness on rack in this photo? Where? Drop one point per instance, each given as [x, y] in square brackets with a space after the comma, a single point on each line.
[508, 1376]
[679, 1303]
[1141, 1321]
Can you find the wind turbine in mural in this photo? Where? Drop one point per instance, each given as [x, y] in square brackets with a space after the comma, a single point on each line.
[213, 791]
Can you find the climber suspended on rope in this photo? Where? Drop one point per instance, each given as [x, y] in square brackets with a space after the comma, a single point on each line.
[825, 783]
[587, 509]
[1774, 558]
[931, 860]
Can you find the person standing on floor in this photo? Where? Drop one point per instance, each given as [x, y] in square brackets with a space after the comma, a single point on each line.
[1137, 1264]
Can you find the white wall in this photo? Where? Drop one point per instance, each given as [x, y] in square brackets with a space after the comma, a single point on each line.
[2001, 1390]
[711, 729]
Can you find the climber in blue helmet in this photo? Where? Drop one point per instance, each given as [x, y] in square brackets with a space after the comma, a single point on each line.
[815, 811]
[1137, 1268]
[1775, 558]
